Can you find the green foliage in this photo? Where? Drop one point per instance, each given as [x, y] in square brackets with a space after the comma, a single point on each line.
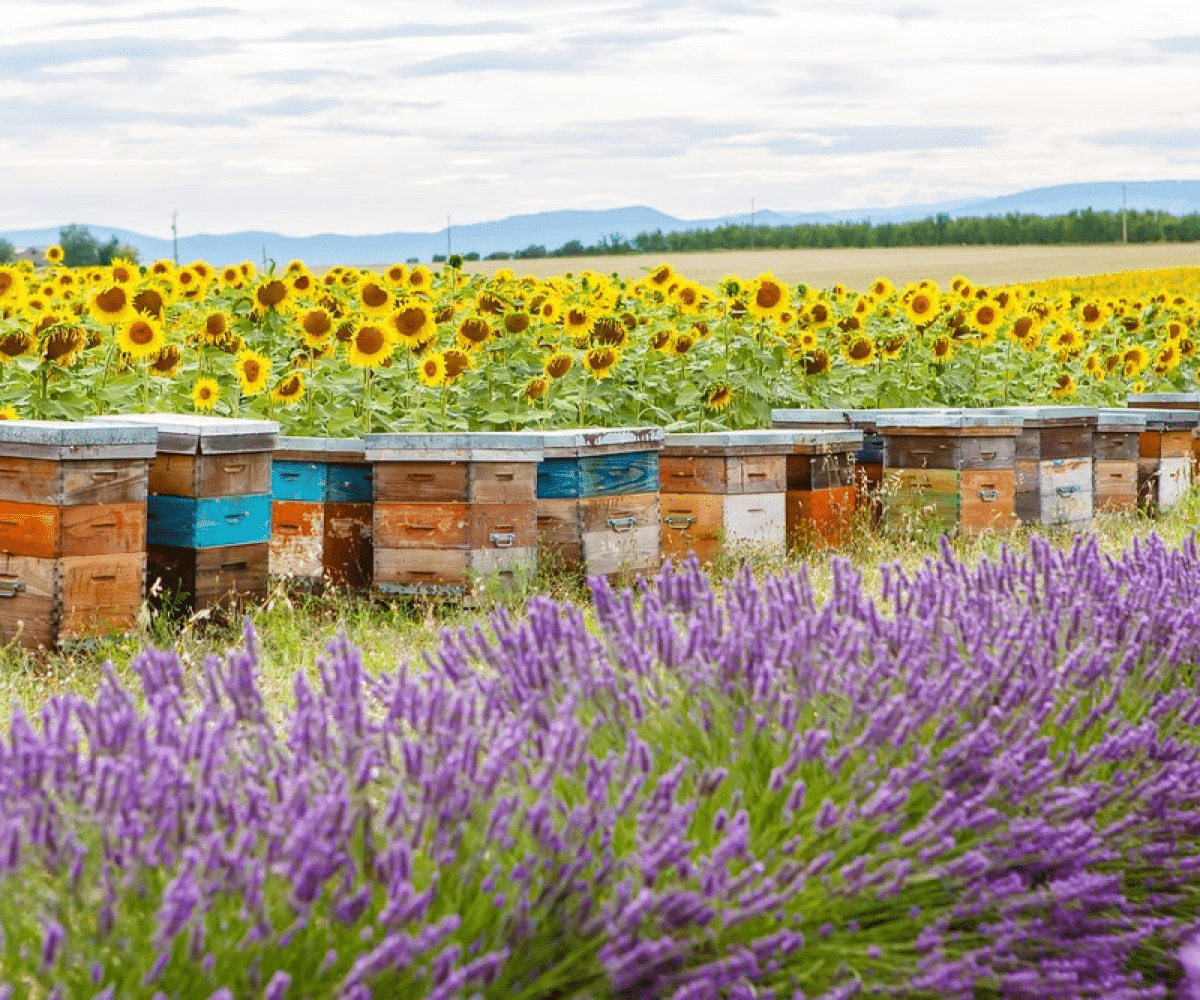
[8, 252]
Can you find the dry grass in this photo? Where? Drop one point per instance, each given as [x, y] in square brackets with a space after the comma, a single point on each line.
[991, 265]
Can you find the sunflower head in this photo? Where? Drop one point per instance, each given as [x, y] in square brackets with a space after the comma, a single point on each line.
[557, 365]
[253, 370]
[271, 294]
[860, 351]
[112, 304]
[166, 362]
[767, 296]
[817, 362]
[536, 389]
[517, 322]
[289, 390]
[315, 326]
[718, 397]
[141, 337]
[600, 361]
[63, 345]
[473, 332]
[432, 369]
[1064, 387]
[54, 254]
[205, 394]
[369, 345]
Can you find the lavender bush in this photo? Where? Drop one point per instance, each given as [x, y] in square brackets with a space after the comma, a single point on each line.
[984, 784]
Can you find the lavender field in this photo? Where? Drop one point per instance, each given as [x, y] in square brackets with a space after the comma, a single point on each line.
[983, 782]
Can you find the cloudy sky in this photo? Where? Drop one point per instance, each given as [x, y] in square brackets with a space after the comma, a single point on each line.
[364, 116]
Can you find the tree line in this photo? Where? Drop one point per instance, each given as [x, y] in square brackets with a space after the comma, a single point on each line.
[80, 248]
[1075, 227]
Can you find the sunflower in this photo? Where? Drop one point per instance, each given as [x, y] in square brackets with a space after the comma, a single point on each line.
[215, 328]
[272, 293]
[611, 332]
[112, 304]
[432, 369]
[1134, 360]
[54, 254]
[689, 297]
[819, 315]
[253, 370]
[150, 302]
[881, 288]
[547, 308]
[1167, 359]
[412, 322]
[536, 389]
[860, 351]
[457, 362]
[420, 278]
[205, 394]
[369, 345]
[231, 276]
[557, 365]
[372, 296]
[517, 322]
[11, 283]
[817, 363]
[63, 345]
[303, 284]
[718, 397]
[600, 361]
[984, 317]
[289, 390]
[1064, 387]
[473, 332]
[315, 327]
[577, 321]
[943, 349]
[141, 337]
[767, 296]
[162, 268]
[123, 272]
[1067, 342]
[14, 345]
[396, 275]
[892, 346]
[921, 306]
[203, 270]
[1026, 331]
[1091, 316]
[166, 362]
[1176, 330]
[660, 277]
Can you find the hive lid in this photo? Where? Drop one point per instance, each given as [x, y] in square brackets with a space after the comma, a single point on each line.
[1001, 422]
[754, 442]
[1046, 416]
[1165, 400]
[480, 446]
[318, 449]
[65, 440]
[1114, 420]
[1171, 420]
[192, 433]
[863, 419]
[599, 441]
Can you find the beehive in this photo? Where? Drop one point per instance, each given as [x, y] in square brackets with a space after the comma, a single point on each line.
[453, 511]
[723, 489]
[322, 511]
[1165, 457]
[1054, 464]
[868, 460]
[821, 488]
[72, 529]
[952, 470]
[209, 507]
[1173, 401]
[1115, 459]
[598, 500]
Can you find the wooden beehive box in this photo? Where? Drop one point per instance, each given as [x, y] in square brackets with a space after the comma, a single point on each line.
[723, 489]
[453, 512]
[209, 507]
[1054, 464]
[72, 529]
[598, 500]
[322, 511]
[868, 460]
[1172, 401]
[822, 494]
[954, 470]
[1115, 459]
[1165, 457]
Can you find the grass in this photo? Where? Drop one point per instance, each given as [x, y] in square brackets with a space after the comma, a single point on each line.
[294, 625]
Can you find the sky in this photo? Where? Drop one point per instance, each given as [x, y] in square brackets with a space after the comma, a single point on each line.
[366, 116]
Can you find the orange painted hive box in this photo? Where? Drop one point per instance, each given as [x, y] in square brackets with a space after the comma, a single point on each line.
[72, 529]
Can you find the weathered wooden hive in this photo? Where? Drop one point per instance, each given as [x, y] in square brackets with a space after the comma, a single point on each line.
[209, 528]
[953, 470]
[1173, 401]
[322, 513]
[1054, 464]
[821, 489]
[1115, 459]
[598, 499]
[868, 460]
[1165, 457]
[453, 511]
[72, 529]
[726, 488]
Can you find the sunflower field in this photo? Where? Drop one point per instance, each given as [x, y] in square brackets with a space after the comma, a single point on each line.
[409, 348]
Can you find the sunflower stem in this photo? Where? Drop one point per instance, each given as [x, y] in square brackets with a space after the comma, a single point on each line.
[368, 383]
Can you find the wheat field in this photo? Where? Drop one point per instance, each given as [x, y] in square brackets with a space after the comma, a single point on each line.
[855, 267]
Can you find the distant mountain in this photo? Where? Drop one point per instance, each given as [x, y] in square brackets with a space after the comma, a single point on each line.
[552, 229]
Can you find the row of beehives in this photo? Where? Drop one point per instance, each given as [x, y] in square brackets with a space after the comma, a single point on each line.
[204, 507]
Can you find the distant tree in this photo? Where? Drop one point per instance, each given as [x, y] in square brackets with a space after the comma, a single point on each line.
[499, 255]
[8, 252]
[438, 258]
[471, 256]
[531, 252]
[80, 248]
[113, 249]
[572, 248]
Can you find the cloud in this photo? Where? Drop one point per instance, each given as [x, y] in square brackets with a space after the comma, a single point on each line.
[186, 14]
[1178, 45]
[71, 114]
[496, 60]
[299, 75]
[856, 141]
[293, 106]
[640, 137]
[1173, 140]
[373, 34]
[19, 61]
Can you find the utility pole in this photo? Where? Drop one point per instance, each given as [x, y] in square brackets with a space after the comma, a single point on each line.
[751, 223]
[175, 236]
[1124, 227]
